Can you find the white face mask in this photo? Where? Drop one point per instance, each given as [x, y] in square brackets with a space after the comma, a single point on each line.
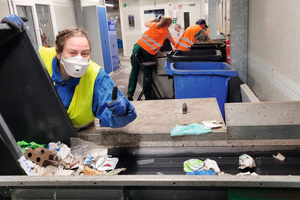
[75, 66]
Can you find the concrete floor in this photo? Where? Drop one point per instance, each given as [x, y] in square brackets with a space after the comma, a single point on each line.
[121, 76]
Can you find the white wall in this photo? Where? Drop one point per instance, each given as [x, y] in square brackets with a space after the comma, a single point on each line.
[92, 2]
[4, 9]
[273, 46]
[64, 14]
[131, 35]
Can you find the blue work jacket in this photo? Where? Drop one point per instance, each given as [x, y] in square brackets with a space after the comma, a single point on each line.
[102, 95]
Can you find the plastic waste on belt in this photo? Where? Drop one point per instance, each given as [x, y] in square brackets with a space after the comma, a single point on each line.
[192, 129]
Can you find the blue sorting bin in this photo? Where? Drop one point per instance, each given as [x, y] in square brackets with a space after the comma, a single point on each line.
[201, 80]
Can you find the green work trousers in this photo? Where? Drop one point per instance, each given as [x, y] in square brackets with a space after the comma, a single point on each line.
[133, 79]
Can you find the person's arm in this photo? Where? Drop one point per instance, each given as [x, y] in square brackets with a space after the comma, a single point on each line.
[102, 96]
[171, 39]
[150, 22]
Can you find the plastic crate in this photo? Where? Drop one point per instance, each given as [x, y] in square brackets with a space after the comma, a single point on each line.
[201, 80]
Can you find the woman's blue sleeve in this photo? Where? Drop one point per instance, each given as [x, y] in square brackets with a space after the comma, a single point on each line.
[102, 95]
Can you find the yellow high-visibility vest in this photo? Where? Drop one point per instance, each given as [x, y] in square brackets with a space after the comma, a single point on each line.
[80, 110]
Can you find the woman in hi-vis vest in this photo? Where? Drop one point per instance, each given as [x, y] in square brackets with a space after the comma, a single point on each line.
[148, 46]
[83, 86]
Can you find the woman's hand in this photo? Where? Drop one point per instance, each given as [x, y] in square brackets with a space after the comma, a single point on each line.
[118, 107]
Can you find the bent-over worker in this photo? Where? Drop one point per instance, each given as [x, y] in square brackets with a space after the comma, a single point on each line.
[202, 24]
[201, 37]
[187, 39]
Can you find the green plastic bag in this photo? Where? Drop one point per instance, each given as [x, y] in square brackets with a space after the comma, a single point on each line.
[192, 129]
[31, 145]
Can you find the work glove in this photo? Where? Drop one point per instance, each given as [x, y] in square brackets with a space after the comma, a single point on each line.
[118, 106]
[158, 18]
[15, 22]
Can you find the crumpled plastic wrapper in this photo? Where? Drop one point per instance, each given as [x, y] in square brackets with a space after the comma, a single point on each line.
[191, 129]
[247, 174]
[63, 149]
[80, 149]
[211, 164]
[92, 172]
[105, 163]
[192, 165]
[211, 124]
[246, 161]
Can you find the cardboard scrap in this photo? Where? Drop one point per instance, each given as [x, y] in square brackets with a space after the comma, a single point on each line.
[279, 157]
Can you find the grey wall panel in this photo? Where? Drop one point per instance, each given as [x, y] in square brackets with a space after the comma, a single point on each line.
[239, 37]
[90, 18]
[273, 40]
[264, 113]
[212, 19]
[260, 121]
[266, 87]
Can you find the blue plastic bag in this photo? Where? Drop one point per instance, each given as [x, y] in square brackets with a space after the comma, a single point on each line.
[201, 172]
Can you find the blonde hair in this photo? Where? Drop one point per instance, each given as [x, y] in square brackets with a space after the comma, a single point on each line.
[165, 21]
[68, 33]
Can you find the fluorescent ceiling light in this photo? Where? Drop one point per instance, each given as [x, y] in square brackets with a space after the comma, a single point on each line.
[109, 5]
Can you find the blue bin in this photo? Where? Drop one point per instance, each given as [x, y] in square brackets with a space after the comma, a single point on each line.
[201, 80]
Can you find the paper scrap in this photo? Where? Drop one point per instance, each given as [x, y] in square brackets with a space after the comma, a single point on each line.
[247, 173]
[211, 124]
[279, 157]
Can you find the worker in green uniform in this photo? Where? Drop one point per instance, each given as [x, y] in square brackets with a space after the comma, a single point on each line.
[148, 46]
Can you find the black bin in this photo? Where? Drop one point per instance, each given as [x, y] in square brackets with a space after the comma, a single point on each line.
[30, 107]
[206, 52]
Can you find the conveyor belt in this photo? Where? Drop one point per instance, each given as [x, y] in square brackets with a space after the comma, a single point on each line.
[142, 181]
[169, 161]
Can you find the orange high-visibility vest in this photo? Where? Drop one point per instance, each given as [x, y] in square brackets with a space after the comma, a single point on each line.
[207, 31]
[187, 38]
[153, 39]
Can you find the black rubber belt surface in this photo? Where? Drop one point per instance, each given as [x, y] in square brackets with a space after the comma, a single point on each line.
[169, 163]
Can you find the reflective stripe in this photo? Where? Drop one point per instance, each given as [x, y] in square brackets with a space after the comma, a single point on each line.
[182, 44]
[147, 37]
[187, 40]
[150, 45]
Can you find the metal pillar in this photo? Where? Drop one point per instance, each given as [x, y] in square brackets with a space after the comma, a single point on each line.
[78, 13]
[212, 18]
[239, 37]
